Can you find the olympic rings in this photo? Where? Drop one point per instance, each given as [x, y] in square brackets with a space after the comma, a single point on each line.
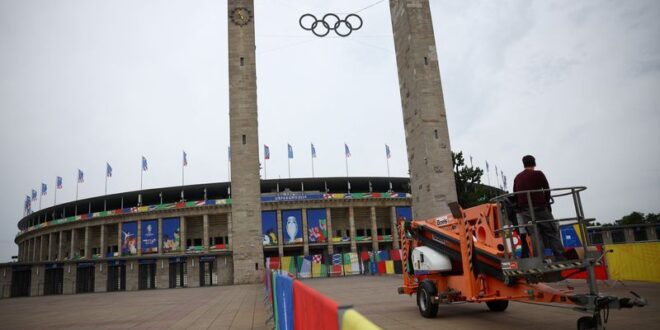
[331, 22]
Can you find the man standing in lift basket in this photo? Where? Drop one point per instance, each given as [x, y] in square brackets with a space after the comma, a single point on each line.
[531, 179]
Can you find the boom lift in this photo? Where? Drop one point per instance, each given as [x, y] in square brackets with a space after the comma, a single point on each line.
[470, 256]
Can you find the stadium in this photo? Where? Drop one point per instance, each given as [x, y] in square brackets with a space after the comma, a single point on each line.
[182, 236]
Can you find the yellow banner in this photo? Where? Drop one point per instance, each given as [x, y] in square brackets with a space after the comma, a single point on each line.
[634, 261]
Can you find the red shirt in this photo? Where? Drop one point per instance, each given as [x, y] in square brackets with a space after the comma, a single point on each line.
[531, 180]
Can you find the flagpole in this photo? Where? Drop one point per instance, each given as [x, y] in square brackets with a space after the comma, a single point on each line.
[183, 167]
[388, 166]
[265, 168]
[346, 158]
[55, 197]
[289, 162]
[141, 172]
[40, 198]
[312, 166]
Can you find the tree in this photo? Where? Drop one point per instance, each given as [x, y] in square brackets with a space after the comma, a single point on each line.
[638, 218]
[469, 189]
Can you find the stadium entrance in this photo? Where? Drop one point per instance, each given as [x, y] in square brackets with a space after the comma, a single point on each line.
[178, 273]
[53, 279]
[21, 277]
[147, 274]
[85, 277]
[117, 276]
[206, 266]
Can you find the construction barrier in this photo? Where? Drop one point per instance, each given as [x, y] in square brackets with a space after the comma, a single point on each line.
[634, 261]
[298, 306]
[338, 264]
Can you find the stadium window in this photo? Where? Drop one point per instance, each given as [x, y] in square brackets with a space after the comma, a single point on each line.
[359, 232]
[188, 242]
[368, 232]
[435, 132]
[596, 237]
[379, 231]
[218, 240]
[197, 241]
[426, 60]
[618, 236]
[244, 139]
[242, 61]
[657, 232]
[640, 234]
[339, 233]
[388, 231]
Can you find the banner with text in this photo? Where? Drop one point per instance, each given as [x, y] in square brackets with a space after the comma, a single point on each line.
[149, 236]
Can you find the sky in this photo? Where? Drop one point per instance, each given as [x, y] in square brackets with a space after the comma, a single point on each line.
[85, 82]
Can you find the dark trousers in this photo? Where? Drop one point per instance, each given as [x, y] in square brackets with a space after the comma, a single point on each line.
[549, 231]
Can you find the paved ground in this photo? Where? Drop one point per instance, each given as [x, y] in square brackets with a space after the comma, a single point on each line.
[241, 307]
[225, 307]
[375, 297]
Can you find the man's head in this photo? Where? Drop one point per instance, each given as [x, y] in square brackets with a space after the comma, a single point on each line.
[529, 161]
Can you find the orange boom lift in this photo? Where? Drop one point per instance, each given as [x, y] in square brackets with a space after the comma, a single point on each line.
[470, 256]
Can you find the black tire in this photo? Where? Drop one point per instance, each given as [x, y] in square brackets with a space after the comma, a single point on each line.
[425, 293]
[497, 305]
[586, 323]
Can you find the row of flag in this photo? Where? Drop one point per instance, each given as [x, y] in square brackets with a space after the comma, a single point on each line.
[347, 151]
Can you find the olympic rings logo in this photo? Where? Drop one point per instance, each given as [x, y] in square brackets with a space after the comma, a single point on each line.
[330, 22]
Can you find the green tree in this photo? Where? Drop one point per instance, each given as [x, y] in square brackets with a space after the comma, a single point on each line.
[469, 189]
[638, 218]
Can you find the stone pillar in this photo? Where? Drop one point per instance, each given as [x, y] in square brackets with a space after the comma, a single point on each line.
[351, 223]
[87, 252]
[50, 247]
[374, 229]
[244, 142]
[424, 117]
[205, 238]
[60, 248]
[395, 229]
[182, 230]
[651, 233]
[139, 237]
[40, 257]
[35, 250]
[160, 235]
[280, 235]
[102, 240]
[119, 234]
[629, 234]
[607, 237]
[328, 222]
[305, 233]
[229, 231]
[73, 245]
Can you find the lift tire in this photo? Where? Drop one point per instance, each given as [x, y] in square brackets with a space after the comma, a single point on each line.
[587, 323]
[425, 293]
[497, 305]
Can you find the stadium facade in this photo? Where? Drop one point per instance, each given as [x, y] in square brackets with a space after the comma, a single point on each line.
[185, 236]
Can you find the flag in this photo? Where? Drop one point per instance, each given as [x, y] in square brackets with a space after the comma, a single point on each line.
[313, 151]
[108, 170]
[487, 168]
[290, 150]
[387, 152]
[470, 160]
[496, 171]
[144, 164]
[185, 158]
[81, 176]
[34, 195]
[229, 153]
[266, 152]
[58, 182]
[28, 204]
[347, 152]
[44, 189]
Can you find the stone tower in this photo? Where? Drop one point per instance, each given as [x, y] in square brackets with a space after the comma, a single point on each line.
[424, 116]
[247, 242]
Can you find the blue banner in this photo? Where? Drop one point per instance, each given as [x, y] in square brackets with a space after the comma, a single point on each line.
[403, 212]
[570, 237]
[292, 226]
[171, 234]
[269, 227]
[291, 197]
[284, 296]
[129, 238]
[317, 226]
[149, 236]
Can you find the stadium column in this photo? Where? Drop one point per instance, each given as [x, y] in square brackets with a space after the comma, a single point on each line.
[87, 254]
[328, 223]
[60, 248]
[374, 229]
[205, 238]
[102, 242]
[395, 229]
[160, 236]
[182, 229]
[119, 233]
[248, 251]
[424, 117]
[305, 233]
[139, 237]
[73, 243]
[229, 236]
[351, 223]
[280, 235]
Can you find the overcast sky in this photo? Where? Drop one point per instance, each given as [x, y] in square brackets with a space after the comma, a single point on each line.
[85, 82]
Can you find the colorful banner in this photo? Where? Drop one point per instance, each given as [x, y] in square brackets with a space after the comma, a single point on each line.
[403, 212]
[317, 226]
[129, 238]
[292, 226]
[312, 310]
[269, 227]
[149, 236]
[171, 234]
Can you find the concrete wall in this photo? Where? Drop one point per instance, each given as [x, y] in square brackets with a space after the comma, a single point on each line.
[5, 282]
